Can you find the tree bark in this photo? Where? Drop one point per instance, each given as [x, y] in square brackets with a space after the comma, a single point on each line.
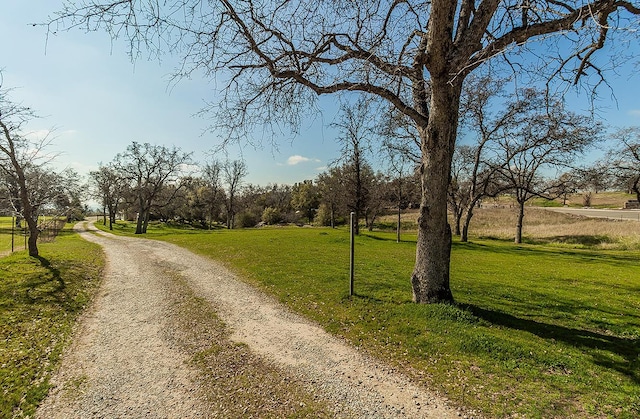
[457, 222]
[32, 225]
[464, 237]
[141, 214]
[519, 224]
[430, 278]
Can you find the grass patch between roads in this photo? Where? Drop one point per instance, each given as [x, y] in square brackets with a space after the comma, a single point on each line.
[40, 298]
[538, 331]
[235, 382]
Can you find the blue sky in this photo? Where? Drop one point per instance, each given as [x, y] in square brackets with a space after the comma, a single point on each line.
[98, 101]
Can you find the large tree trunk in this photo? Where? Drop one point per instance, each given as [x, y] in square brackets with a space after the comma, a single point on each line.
[140, 220]
[430, 278]
[145, 221]
[33, 233]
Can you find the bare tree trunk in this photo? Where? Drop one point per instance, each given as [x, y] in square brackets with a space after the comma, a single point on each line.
[464, 237]
[32, 225]
[139, 223]
[457, 221]
[519, 224]
[145, 221]
[333, 216]
[430, 278]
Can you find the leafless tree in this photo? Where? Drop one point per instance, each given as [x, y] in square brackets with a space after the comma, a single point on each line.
[623, 160]
[147, 169]
[234, 172]
[355, 126]
[212, 175]
[25, 168]
[277, 56]
[483, 117]
[544, 136]
[111, 189]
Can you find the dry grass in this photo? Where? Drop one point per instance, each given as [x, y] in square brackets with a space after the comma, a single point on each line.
[548, 227]
[542, 226]
[601, 199]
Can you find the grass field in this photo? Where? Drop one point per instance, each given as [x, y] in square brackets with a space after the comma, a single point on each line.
[538, 330]
[40, 299]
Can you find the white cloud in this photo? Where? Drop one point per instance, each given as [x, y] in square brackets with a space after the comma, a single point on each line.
[38, 135]
[635, 112]
[297, 159]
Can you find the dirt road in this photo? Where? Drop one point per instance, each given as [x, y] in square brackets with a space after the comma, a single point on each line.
[123, 364]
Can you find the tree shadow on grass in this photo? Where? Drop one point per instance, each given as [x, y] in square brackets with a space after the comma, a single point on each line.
[587, 255]
[44, 287]
[592, 342]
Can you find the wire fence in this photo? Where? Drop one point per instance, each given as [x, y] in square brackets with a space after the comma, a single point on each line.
[48, 230]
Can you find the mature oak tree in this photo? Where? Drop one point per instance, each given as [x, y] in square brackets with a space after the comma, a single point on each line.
[147, 169]
[275, 56]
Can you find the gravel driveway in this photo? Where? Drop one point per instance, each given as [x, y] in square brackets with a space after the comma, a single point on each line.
[124, 363]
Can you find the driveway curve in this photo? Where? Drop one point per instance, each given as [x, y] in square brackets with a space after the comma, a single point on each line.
[120, 363]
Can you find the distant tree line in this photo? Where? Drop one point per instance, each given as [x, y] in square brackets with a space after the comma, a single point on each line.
[525, 146]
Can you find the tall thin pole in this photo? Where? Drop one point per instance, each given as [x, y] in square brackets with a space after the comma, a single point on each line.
[351, 254]
[13, 231]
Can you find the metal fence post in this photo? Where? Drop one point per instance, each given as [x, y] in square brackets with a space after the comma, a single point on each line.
[351, 254]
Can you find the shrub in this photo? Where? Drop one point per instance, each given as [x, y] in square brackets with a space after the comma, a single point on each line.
[271, 216]
[246, 219]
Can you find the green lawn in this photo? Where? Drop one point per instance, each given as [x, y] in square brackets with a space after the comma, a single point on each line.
[40, 298]
[5, 236]
[539, 331]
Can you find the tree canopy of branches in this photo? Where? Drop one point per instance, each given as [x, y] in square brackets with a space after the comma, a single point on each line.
[355, 134]
[277, 56]
[542, 136]
[147, 169]
[111, 189]
[31, 185]
[624, 159]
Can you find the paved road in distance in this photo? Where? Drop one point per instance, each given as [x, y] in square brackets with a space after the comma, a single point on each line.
[601, 213]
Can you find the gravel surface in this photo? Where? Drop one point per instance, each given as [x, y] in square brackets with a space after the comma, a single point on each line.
[122, 364]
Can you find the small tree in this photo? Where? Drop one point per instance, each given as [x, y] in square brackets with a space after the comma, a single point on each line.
[212, 175]
[355, 130]
[25, 168]
[332, 193]
[110, 188]
[234, 172]
[305, 198]
[544, 136]
[624, 159]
